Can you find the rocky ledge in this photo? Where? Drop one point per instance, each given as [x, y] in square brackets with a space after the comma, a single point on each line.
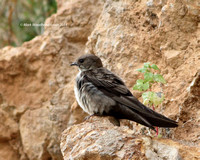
[100, 138]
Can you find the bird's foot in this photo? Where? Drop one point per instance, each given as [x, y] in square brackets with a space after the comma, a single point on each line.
[88, 117]
[157, 131]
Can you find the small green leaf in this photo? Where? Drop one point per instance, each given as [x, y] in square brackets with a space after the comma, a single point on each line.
[142, 70]
[150, 98]
[147, 65]
[139, 85]
[140, 81]
[155, 67]
[157, 98]
[146, 98]
[145, 86]
[145, 95]
[159, 78]
[136, 87]
[148, 77]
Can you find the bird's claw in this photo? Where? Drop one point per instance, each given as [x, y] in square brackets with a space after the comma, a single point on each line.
[88, 117]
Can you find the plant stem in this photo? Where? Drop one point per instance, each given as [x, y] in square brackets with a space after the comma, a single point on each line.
[156, 127]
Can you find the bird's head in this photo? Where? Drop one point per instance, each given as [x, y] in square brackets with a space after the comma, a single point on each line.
[88, 62]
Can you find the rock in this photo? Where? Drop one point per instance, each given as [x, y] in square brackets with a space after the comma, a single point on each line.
[159, 149]
[8, 127]
[36, 82]
[7, 152]
[99, 138]
[173, 58]
[41, 128]
[35, 79]
[129, 33]
[190, 113]
[40, 131]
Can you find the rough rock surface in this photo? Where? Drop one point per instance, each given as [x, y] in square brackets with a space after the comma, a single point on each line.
[167, 33]
[100, 139]
[36, 83]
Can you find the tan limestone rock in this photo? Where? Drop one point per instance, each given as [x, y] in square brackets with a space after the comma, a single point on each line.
[167, 33]
[173, 58]
[8, 127]
[99, 138]
[36, 82]
[7, 152]
[40, 132]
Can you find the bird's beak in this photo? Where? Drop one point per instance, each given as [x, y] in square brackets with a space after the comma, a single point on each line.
[74, 64]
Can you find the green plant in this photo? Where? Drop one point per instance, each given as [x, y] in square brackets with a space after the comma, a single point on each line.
[151, 76]
[15, 14]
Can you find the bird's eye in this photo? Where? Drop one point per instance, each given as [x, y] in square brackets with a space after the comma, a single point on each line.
[81, 60]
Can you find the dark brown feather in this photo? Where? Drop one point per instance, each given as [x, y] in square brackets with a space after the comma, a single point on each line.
[128, 107]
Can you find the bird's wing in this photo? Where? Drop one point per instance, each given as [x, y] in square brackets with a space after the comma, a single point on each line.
[113, 87]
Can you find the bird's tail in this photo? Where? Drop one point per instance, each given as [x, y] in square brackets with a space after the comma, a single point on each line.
[156, 119]
[147, 117]
[160, 122]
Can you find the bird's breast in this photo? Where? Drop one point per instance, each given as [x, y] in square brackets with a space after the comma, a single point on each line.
[90, 98]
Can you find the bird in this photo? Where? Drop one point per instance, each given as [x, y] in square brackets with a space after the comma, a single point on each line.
[100, 92]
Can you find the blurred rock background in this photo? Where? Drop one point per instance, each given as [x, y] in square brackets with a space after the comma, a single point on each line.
[37, 102]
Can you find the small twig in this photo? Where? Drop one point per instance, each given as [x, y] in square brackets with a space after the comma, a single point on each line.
[156, 127]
